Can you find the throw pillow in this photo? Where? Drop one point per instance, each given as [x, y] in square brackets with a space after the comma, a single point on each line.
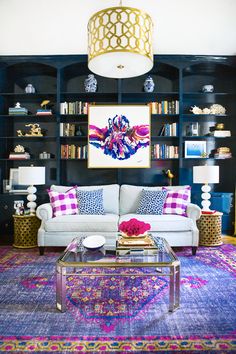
[90, 202]
[151, 202]
[176, 201]
[64, 203]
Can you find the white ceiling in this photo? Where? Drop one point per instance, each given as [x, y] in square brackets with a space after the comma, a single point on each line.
[60, 26]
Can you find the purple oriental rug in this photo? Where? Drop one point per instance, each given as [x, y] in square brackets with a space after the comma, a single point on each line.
[115, 314]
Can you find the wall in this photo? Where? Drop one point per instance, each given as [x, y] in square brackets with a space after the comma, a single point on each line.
[59, 26]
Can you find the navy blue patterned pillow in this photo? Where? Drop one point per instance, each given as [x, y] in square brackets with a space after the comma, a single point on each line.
[90, 202]
[151, 202]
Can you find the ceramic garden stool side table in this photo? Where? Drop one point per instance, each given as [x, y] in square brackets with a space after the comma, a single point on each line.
[209, 226]
[25, 231]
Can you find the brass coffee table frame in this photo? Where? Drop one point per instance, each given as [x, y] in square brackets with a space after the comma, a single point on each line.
[63, 264]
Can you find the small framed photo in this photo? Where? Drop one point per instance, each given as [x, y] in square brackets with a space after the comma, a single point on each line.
[195, 149]
[14, 186]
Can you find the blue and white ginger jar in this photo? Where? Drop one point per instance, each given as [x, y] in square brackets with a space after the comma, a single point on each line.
[90, 83]
[149, 84]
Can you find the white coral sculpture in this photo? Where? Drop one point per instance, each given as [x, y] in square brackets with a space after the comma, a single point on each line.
[196, 110]
[19, 148]
[206, 111]
[217, 109]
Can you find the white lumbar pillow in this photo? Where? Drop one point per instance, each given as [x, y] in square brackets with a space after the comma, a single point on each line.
[94, 241]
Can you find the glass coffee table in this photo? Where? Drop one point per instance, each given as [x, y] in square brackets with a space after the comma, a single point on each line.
[75, 259]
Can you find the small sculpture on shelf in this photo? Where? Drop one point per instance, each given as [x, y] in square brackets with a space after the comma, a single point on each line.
[216, 109]
[90, 83]
[44, 110]
[149, 84]
[169, 175]
[208, 88]
[35, 130]
[29, 89]
[19, 148]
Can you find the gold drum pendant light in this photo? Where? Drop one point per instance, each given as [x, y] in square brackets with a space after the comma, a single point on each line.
[120, 42]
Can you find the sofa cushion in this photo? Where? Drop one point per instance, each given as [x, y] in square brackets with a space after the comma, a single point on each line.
[177, 201]
[151, 202]
[90, 202]
[63, 203]
[110, 195]
[83, 223]
[130, 196]
[162, 222]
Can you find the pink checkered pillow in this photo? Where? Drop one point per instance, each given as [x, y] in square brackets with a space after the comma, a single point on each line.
[176, 201]
[64, 203]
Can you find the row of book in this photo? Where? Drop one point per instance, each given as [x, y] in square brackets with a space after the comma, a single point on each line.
[67, 129]
[77, 107]
[74, 152]
[165, 107]
[169, 129]
[164, 151]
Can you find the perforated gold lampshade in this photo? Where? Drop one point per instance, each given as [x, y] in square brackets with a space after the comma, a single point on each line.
[120, 42]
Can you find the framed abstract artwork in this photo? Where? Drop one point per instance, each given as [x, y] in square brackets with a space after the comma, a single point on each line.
[195, 149]
[119, 136]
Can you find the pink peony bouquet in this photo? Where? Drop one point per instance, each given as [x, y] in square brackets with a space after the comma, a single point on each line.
[134, 227]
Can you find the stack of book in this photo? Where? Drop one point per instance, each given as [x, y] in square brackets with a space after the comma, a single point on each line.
[221, 133]
[43, 112]
[169, 129]
[19, 156]
[17, 111]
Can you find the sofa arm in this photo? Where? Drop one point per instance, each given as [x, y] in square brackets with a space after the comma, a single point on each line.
[193, 211]
[44, 212]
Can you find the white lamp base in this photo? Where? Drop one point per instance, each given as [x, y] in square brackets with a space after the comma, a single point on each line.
[31, 197]
[206, 196]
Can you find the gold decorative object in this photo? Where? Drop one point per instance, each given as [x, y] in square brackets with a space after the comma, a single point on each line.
[209, 226]
[25, 231]
[120, 42]
[219, 126]
[35, 130]
[44, 104]
[169, 175]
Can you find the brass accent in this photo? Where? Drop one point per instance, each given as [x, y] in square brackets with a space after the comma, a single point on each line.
[25, 231]
[209, 226]
[120, 29]
[120, 66]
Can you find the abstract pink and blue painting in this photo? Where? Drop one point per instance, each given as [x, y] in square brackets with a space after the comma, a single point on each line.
[119, 136]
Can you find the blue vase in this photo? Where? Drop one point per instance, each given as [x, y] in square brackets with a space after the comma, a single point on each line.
[90, 83]
[149, 84]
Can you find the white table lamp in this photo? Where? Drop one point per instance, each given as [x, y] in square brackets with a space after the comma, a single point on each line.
[32, 175]
[204, 175]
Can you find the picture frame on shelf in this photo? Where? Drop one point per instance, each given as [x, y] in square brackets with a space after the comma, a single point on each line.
[195, 149]
[119, 136]
[14, 186]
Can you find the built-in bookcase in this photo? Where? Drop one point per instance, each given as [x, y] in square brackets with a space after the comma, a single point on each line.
[178, 87]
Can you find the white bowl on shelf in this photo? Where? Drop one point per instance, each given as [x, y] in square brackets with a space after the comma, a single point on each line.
[94, 242]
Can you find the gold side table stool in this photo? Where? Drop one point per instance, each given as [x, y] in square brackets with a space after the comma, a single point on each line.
[209, 226]
[25, 231]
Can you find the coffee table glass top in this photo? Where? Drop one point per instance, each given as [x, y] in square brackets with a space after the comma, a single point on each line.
[75, 255]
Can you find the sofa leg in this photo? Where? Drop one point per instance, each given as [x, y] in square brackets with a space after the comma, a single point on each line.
[194, 250]
[41, 251]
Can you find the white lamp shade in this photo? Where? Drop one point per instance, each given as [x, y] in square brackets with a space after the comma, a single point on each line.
[32, 175]
[205, 174]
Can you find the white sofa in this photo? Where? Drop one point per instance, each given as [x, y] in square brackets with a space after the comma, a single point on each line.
[120, 204]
